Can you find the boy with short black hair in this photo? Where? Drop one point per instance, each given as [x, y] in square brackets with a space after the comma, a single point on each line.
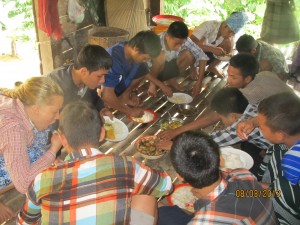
[232, 107]
[269, 57]
[279, 121]
[128, 69]
[80, 79]
[90, 187]
[175, 59]
[196, 159]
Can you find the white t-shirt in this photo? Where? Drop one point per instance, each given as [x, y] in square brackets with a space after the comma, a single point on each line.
[209, 30]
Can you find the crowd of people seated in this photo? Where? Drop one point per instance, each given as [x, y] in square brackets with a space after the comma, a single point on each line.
[65, 109]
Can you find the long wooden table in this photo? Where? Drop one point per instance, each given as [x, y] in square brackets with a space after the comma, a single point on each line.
[164, 109]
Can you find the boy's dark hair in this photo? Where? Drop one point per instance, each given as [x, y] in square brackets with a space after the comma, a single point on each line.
[282, 112]
[245, 43]
[229, 100]
[196, 158]
[178, 29]
[81, 124]
[147, 42]
[246, 63]
[93, 57]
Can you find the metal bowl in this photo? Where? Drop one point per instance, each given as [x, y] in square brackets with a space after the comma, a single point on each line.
[170, 123]
[187, 110]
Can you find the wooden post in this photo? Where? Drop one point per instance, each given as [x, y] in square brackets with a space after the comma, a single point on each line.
[44, 44]
[157, 8]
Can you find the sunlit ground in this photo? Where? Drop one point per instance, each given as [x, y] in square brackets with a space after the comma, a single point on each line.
[19, 68]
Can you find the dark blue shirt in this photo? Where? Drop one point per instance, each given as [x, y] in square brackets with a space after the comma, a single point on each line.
[122, 72]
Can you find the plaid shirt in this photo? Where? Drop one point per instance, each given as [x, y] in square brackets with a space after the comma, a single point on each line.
[188, 45]
[273, 55]
[229, 136]
[222, 206]
[90, 188]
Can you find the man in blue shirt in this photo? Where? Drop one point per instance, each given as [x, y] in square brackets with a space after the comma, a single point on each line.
[128, 69]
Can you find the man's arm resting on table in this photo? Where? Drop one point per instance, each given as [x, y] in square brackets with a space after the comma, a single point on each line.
[110, 98]
[152, 78]
[202, 122]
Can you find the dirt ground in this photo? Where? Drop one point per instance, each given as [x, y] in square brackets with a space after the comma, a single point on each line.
[19, 68]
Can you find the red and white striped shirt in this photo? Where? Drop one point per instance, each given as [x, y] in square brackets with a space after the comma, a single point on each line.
[16, 136]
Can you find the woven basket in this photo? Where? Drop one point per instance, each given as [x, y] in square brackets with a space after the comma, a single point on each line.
[106, 36]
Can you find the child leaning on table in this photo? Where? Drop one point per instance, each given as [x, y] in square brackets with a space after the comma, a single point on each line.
[196, 159]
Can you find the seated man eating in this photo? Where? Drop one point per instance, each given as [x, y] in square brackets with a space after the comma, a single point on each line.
[196, 159]
[128, 69]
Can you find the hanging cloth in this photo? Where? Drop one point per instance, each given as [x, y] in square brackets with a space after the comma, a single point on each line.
[48, 19]
[280, 24]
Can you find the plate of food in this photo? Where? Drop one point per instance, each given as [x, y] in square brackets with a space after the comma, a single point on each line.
[225, 58]
[115, 129]
[165, 20]
[170, 123]
[182, 197]
[236, 158]
[148, 117]
[180, 98]
[147, 147]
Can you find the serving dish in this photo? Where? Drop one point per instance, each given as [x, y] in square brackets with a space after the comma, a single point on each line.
[146, 146]
[170, 123]
[166, 20]
[180, 98]
[187, 110]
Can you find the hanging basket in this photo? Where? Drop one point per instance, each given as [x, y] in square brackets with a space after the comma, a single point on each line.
[107, 36]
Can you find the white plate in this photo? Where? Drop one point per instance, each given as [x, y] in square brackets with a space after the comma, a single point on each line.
[236, 156]
[121, 130]
[182, 197]
[180, 98]
[225, 58]
[149, 116]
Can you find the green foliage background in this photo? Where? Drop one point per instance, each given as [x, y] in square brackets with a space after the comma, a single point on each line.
[196, 11]
[19, 21]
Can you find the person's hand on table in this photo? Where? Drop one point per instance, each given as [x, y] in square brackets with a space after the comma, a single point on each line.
[167, 91]
[196, 89]
[134, 100]
[136, 112]
[106, 112]
[168, 134]
[164, 144]
[245, 128]
[55, 142]
[218, 51]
